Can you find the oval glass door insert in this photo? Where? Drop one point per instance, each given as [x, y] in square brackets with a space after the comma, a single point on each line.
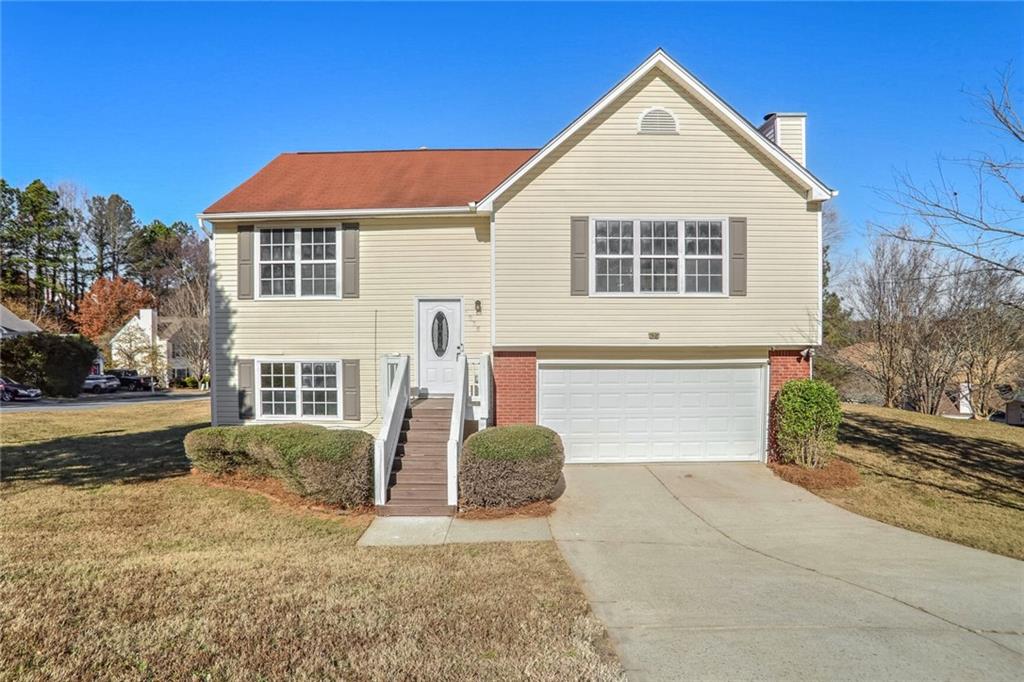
[439, 334]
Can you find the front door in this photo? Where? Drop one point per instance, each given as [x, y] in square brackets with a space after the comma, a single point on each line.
[440, 343]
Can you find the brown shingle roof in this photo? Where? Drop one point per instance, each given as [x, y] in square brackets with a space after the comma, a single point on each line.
[423, 178]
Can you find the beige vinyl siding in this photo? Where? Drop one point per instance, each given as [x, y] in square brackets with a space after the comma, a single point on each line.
[399, 260]
[709, 354]
[792, 137]
[607, 169]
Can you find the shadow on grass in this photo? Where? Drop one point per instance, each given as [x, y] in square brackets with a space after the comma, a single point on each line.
[992, 471]
[98, 459]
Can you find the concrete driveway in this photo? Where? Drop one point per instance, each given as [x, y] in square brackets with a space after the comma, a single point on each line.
[723, 572]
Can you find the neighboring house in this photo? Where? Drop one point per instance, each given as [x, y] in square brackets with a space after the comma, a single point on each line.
[11, 325]
[1014, 408]
[643, 284]
[159, 331]
[957, 404]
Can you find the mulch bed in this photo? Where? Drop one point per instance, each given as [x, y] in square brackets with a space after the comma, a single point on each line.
[275, 491]
[534, 509]
[836, 474]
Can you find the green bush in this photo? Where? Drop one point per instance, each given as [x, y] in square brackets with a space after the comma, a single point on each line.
[330, 466]
[509, 466]
[56, 365]
[191, 382]
[807, 421]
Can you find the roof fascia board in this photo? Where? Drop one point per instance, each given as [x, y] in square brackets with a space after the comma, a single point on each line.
[340, 213]
[817, 190]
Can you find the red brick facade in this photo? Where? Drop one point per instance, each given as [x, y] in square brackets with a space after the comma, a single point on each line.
[515, 387]
[783, 366]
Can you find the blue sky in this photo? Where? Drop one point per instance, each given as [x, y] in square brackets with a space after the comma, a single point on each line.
[172, 105]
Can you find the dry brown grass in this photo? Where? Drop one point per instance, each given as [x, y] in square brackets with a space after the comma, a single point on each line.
[957, 480]
[116, 564]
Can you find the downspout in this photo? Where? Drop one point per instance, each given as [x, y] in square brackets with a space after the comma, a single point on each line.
[210, 299]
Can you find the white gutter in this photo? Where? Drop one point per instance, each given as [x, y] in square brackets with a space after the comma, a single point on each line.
[469, 209]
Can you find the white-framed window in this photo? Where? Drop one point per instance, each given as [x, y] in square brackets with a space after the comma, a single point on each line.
[302, 261]
[299, 389]
[705, 242]
[658, 256]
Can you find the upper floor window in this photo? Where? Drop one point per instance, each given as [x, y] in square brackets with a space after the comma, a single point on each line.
[314, 263]
[658, 256]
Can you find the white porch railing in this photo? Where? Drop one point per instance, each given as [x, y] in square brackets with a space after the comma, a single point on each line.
[460, 400]
[388, 368]
[480, 389]
[395, 403]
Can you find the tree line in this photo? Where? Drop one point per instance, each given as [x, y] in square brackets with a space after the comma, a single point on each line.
[75, 263]
[938, 299]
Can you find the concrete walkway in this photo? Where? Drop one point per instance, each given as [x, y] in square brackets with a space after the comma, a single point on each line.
[440, 530]
[723, 572]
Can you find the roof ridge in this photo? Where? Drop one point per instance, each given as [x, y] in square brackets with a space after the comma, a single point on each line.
[438, 149]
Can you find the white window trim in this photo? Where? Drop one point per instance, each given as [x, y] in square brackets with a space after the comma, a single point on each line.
[297, 237]
[682, 293]
[298, 416]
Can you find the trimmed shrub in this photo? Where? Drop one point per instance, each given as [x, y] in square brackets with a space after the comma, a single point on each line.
[509, 466]
[807, 422]
[56, 365]
[191, 382]
[333, 467]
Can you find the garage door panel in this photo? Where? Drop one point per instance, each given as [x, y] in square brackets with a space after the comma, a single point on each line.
[623, 413]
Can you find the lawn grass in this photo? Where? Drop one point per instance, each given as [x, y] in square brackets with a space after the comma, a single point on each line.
[116, 563]
[957, 480]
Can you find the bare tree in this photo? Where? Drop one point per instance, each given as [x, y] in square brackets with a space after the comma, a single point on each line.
[932, 350]
[992, 335]
[984, 223]
[879, 299]
[189, 303]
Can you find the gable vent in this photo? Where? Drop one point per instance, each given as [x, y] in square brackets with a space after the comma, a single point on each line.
[658, 121]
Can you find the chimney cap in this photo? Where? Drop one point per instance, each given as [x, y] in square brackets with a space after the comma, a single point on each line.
[779, 114]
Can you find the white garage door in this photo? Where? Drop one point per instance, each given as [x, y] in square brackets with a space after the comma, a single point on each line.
[654, 413]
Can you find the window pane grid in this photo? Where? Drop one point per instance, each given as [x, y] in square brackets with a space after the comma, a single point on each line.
[659, 256]
[613, 249]
[277, 388]
[319, 278]
[299, 389]
[309, 265]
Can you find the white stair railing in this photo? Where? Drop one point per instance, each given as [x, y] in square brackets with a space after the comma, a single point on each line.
[391, 426]
[479, 407]
[455, 430]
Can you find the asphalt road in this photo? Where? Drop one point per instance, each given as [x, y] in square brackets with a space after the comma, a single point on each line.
[90, 402]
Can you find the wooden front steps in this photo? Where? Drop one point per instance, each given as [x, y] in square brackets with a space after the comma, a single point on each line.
[419, 476]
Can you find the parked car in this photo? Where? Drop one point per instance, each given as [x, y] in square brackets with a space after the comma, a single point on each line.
[101, 383]
[12, 390]
[131, 380]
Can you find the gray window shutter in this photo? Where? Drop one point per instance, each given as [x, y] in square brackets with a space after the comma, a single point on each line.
[246, 389]
[245, 264]
[580, 256]
[350, 260]
[737, 256]
[350, 389]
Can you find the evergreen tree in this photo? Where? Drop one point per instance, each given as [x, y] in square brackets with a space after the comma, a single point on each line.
[44, 223]
[14, 243]
[110, 227]
[154, 255]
